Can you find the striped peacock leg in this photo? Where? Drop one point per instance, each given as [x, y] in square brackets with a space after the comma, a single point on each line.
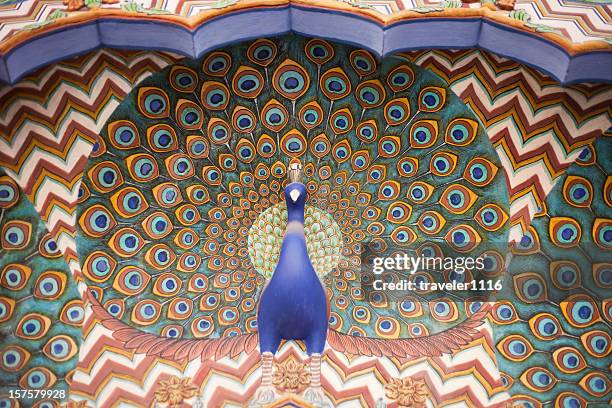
[314, 393]
[266, 393]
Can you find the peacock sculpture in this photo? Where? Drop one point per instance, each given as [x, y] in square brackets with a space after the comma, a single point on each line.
[40, 308]
[186, 213]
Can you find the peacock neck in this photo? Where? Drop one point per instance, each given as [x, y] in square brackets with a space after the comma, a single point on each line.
[295, 213]
[294, 263]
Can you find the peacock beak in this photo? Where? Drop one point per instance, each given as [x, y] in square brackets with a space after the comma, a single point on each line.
[294, 194]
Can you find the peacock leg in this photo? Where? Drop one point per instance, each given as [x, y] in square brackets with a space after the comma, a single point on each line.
[266, 392]
[314, 393]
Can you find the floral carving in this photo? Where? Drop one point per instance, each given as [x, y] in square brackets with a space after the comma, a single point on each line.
[407, 392]
[291, 376]
[174, 391]
[79, 4]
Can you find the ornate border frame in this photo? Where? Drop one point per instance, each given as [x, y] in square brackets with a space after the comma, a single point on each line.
[460, 28]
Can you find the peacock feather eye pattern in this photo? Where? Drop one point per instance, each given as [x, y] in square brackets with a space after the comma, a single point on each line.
[40, 345]
[341, 121]
[124, 135]
[153, 102]
[370, 94]
[9, 192]
[262, 52]
[183, 79]
[400, 78]
[423, 134]
[97, 221]
[193, 204]
[214, 95]
[557, 280]
[432, 98]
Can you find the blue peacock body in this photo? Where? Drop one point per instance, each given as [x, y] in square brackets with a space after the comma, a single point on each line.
[293, 305]
[182, 211]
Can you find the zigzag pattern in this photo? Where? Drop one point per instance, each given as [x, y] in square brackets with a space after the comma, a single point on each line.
[537, 126]
[52, 123]
[578, 21]
[63, 107]
[105, 377]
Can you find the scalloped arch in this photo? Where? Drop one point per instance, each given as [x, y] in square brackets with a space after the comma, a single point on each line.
[463, 28]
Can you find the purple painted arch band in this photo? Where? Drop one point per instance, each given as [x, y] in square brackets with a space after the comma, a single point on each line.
[436, 32]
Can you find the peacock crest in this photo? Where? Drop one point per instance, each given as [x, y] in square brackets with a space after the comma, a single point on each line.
[181, 210]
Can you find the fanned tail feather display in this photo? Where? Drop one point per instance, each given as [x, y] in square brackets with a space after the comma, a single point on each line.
[181, 214]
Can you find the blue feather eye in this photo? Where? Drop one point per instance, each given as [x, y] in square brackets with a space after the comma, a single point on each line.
[341, 121]
[505, 313]
[33, 326]
[570, 400]
[291, 80]
[217, 64]
[172, 331]
[179, 308]
[73, 313]
[9, 192]
[370, 94]
[262, 52]
[153, 102]
[362, 62]
[335, 84]
[311, 115]
[444, 310]
[538, 379]
[423, 134]
[146, 312]
[202, 326]
[400, 78]
[515, 348]
[319, 51]
[126, 242]
[124, 135]
[247, 82]
[461, 132]
[183, 79]
[214, 96]
[443, 163]
[397, 111]
[432, 99]
[97, 221]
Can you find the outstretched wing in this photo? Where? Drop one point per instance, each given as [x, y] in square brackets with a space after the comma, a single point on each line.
[175, 349]
[433, 345]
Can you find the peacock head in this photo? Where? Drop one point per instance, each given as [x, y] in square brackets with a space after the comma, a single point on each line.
[295, 193]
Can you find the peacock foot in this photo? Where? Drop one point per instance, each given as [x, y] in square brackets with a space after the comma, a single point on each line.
[265, 395]
[315, 396]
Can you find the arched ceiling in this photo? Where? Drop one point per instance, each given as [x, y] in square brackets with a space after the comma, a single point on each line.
[192, 32]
